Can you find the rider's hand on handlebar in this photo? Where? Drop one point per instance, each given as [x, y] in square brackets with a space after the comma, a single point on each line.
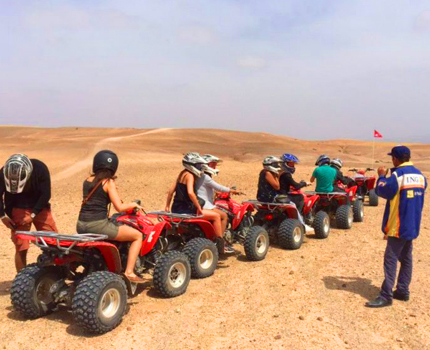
[8, 222]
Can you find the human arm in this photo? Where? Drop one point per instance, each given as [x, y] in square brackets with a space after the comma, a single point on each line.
[386, 187]
[216, 186]
[273, 180]
[189, 178]
[294, 184]
[7, 221]
[110, 188]
[314, 175]
[170, 196]
[44, 186]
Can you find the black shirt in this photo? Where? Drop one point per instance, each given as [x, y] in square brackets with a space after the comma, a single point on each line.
[266, 193]
[340, 178]
[286, 181]
[36, 193]
[97, 206]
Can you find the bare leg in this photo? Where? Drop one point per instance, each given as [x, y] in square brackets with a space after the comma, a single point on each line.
[224, 219]
[127, 233]
[215, 219]
[20, 259]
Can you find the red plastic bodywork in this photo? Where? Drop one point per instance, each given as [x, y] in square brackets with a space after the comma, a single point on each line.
[224, 201]
[309, 200]
[108, 250]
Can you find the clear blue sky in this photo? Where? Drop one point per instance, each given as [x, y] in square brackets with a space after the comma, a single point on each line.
[307, 69]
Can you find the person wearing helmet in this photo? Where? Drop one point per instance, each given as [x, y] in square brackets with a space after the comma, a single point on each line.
[287, 182]
[336, 163]
[324, 175]
[99, 191]
[206, 187]
[268, 180]
[25, 192]
[185, 199]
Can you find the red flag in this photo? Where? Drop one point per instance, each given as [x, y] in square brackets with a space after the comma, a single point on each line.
[376, 134]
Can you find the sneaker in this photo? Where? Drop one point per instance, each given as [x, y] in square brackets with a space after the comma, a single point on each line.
[308, 228]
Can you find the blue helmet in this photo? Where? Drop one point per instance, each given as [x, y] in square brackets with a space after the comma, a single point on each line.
[289, 158]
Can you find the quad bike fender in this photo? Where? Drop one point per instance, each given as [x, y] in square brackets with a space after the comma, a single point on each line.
[370, 183]
[310, 203]
[246, 207]
[206, 227]
[151, 235]
[351, 192]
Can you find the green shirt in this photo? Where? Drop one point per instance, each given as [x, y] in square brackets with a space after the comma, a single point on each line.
[325, 176]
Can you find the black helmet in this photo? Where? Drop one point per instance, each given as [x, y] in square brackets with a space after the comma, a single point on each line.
[322, 159]
[105, 160]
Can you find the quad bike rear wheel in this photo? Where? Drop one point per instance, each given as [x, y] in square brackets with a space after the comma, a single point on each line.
[358, 210]
[31, 290]
[256, 243]
[100, 302]
[344, 217]
[373, 198]
[172, 274]
[321, 224]
[203, 256]
[291, 234]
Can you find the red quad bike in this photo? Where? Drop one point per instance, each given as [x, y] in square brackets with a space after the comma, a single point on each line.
[318, 219]
[196, 238]
[85, 273]
[334, 205]
[281, 220]
[366, 185]
[255, 239]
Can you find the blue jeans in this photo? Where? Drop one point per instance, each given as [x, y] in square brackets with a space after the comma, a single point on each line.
[397, 250]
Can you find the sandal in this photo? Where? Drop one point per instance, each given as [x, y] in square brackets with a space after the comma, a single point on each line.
[135, 279]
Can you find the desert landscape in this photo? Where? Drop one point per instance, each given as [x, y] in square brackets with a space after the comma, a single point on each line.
[311, 298]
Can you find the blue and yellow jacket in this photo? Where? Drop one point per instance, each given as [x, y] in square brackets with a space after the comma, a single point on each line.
[404, 191]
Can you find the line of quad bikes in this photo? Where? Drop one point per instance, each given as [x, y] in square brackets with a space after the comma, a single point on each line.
[84, 272]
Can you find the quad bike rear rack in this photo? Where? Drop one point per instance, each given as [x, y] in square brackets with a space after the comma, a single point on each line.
[39, 239]
[270, 206]
[175, 216]
[330, 195]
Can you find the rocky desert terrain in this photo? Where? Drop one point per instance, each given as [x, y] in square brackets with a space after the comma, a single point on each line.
[311, 298]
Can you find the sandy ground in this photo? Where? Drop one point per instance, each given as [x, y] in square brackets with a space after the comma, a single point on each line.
[311, 298]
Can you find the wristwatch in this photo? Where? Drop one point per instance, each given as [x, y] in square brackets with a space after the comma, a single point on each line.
[32, 215]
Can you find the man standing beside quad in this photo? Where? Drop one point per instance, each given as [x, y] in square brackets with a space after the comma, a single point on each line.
[404, 191]
[25, 191]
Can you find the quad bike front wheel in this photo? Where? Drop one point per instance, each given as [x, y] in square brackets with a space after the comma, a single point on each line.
[321, 224]
[31, 290]
[172, 274]
[358, 210]
[100, 302]
[291, 234]
[203, 256]
[256, 243]
[344, 217]
[373, 198]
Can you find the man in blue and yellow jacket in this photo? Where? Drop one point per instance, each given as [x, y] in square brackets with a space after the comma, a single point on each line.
[404, 191]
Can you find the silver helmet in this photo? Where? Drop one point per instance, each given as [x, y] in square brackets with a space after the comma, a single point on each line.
[209, 158]
[194, 163]
[17, 170]
[272, 163]
[336, 162]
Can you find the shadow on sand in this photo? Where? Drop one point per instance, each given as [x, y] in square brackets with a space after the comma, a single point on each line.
[357, 285]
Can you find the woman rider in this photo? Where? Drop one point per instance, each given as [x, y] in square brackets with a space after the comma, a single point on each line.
[99, 191]
[268, 181]
[186, 201]
[206, 187]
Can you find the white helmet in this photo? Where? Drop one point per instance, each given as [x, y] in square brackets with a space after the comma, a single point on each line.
[194, 163]
[209, 158]
[336, 162]
[17, 170]
[272, 163]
